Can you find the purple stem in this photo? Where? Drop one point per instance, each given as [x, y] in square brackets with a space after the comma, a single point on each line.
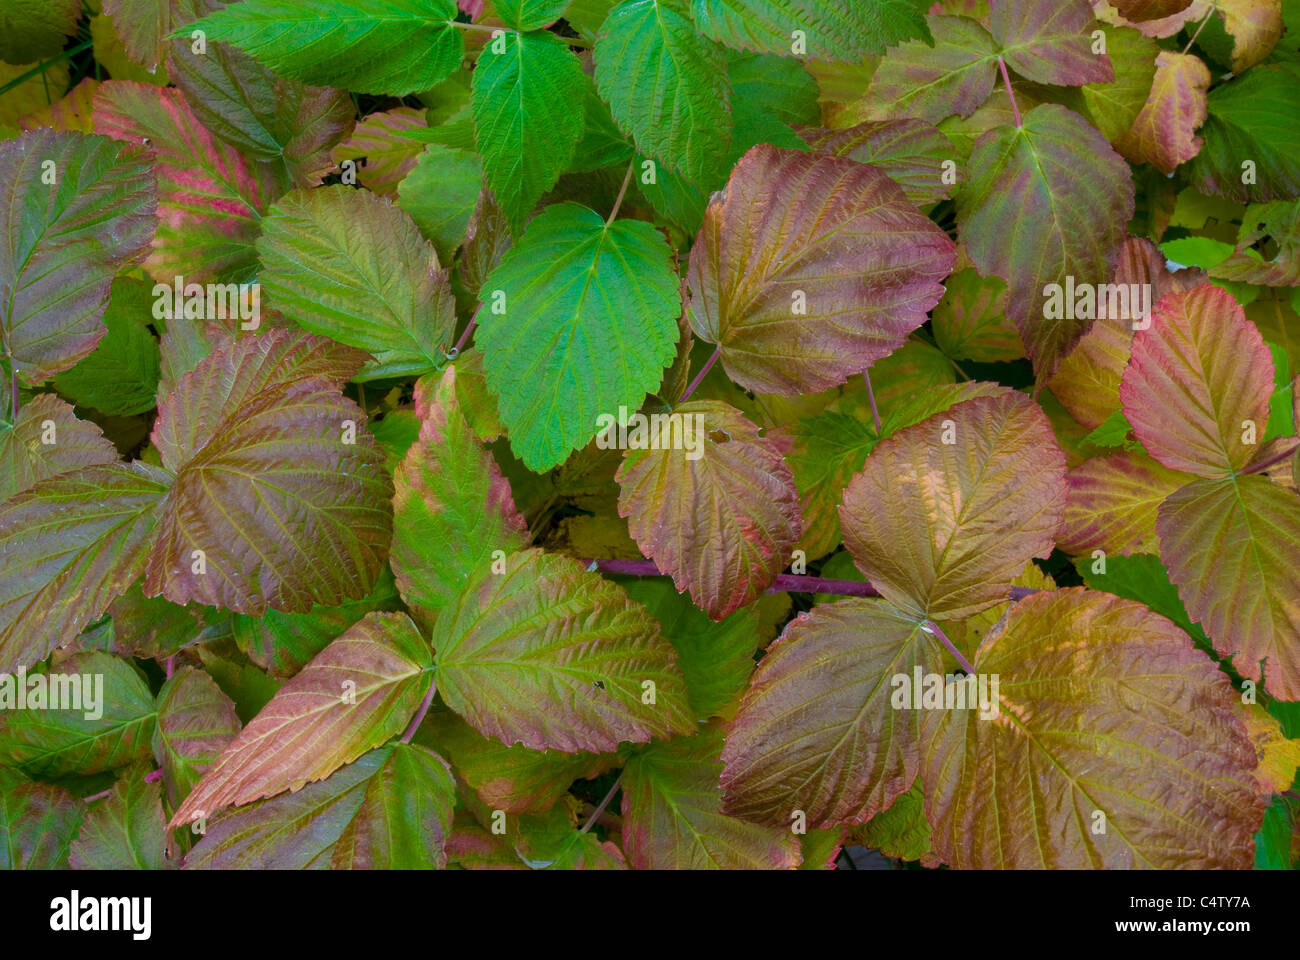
[464, 337]
[701, 375]
[1271, 461]
[1006, 78]
[171, 665]
[934, 628]
[603, 804]
[871, 395]
[420, 714]
[784, 583]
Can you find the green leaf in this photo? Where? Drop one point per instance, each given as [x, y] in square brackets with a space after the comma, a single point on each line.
[38, 822]
[69, 546]
[711, 501]
[514, 779]
[666, 86]
[901, 831]
[348, 265]
[1273, 842]
[1204, 252]
[527, 107]
[530, 14]
[844, 30]
[266, 117]
[377, 46]
[931, 82]
[589, 324]
[355, 695]
[1046, 201]
[121, 376]
[673, 819]
[30, 451]
[1113, 433]
[66, 241]
[391, 809]
[440, 194]
[1250, 122]
[32, 30]
[196, 722]
[452, 508]
[554, 657]
[126, 831]
[715, 657]
[104, 720]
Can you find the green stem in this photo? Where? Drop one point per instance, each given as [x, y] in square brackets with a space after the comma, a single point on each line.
[40, 68]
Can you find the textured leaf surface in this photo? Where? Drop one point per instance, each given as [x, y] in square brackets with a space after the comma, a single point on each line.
[289, 506]
[816, 731]
[65, 242]
[120, 377]
[1103, 706]
[1196, 376]
[1164, 131]
[25, 457]
[359, 692]
[1049, 42]
[673, 819]
[720, 518]
[845, 30]
[1233, 548]
[68, 547]
[391, 809]
[196, 721]
[382, 156]
[35, 29]
[1046, 201]
[125, 831]
[452, 509]
[441, 194]
[528, 118]
[514, 779]
[589, 326]
[942, 528]
[38, 822]
[929, 83]
[804, 286]
[349, 265]
[912, 152]
[210, 197]
[666, 86]
[551, 656]
[970, 322]
[377, 46]
[50, 743]
[1250, 118]
[1112, 503]
[267, 117]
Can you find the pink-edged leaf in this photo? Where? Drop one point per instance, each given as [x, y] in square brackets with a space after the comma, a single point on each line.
[718, 511]
[1112, 503]
[811, 267]
[1139, 10]
[552, 656]
[673, 819]
[452, 508]
[355, 695]
[210, 198]
[946, 513]
[68, 547]
[65, 240]
[914, 79]
[1232, 547]
[206, 397]
[1046, 202]
[1102, 707]
[1087, 382]
[1049, 42]
[1164, 132]
[47, 439]
[1197, 385]
[912, 152]
[817, 731]
[196, 722]
[381, 155]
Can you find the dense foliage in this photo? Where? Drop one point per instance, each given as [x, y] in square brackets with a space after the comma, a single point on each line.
[654, 434]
